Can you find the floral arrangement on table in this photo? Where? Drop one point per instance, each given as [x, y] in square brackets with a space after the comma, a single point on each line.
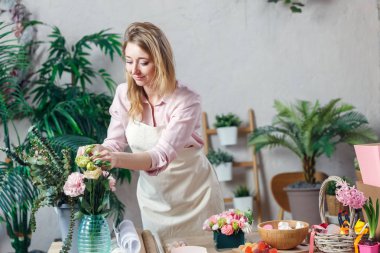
[92, 185]
[230, 222]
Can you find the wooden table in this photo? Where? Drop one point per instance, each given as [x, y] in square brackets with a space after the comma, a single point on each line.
[208, 243]
[149, 245]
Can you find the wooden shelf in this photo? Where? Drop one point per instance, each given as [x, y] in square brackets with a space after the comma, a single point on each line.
[207, 132]
[230, 200]
[241, 130]
[242, 164]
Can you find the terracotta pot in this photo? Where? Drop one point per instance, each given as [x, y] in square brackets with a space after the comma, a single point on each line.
[334, 206]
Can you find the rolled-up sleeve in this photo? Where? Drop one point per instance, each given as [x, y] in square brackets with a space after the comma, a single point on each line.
[182, 122]
[116, 139]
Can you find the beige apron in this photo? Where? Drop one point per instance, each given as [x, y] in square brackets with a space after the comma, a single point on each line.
[178, 200]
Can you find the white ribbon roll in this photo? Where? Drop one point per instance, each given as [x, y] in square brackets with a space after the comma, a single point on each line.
[127, 237]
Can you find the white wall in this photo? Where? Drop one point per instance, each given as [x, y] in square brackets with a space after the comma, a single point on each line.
[241, 54]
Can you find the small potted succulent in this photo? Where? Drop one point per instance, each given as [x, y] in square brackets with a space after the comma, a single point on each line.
[371, 245]
[222, 162]
[242, 198]
[227, 128]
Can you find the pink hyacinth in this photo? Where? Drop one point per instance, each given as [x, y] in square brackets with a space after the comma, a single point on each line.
[74, 185]
[112, 183]
[349, 196]
[227, 230]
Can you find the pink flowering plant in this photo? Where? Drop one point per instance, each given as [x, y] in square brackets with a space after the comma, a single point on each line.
[92, 185]
[351, 197]
[230, 222]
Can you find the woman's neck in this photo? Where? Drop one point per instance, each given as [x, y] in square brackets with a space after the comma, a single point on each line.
[152, 95]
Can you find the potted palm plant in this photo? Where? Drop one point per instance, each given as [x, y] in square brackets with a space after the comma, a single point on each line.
[371, 245]
[227, 128]
[242, 198]
[310, 130]
[222, 162]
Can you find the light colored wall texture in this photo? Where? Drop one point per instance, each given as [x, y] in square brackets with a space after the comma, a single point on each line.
[241, 54]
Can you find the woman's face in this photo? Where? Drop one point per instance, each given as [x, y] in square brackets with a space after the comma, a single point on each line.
[139, 65]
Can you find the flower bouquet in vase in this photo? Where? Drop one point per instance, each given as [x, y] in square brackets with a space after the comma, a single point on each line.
[92, 186]
[229, 227]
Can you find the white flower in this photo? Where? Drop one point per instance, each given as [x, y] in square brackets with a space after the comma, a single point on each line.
[94, 174]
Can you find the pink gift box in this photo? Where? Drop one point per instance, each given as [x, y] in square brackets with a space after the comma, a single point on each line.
[368, 156]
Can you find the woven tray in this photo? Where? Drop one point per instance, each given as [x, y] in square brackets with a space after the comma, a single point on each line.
[332, 243]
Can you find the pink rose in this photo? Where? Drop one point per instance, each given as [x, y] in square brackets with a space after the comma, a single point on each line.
[227, 230]
[74, 185]
[112, 183]
[214, 219]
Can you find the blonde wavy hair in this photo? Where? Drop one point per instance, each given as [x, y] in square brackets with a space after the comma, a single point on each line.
[153, 41]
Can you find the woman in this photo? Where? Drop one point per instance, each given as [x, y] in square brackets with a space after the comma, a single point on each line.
[158, 118]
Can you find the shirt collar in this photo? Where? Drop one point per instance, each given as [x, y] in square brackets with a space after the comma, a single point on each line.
[163, 100]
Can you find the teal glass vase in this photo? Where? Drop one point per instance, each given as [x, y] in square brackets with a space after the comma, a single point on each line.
[223, 241]
[94, 235]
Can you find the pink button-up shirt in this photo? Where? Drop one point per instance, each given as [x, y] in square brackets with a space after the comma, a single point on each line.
[179, 113]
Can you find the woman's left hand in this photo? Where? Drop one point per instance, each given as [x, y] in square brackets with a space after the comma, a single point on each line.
[106, 156]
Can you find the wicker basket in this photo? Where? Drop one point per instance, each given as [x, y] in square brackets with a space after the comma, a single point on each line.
[332, 243]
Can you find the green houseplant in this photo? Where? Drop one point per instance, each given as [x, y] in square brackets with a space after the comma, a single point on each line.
[222, 161]
[66, 111]
[242, 198]
[69, 107]
[227, 128]
[311, 130]
[373, 220]
[17, 192]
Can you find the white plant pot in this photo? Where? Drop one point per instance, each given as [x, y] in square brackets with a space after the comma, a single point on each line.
[224, 171]
[63, 213]
[243, 203]
[227, 135]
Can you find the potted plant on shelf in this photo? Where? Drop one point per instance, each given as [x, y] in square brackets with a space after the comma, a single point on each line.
[222, 162]
[229, 227]
[227, 128]
[371, 245]
[242, 198]
[310, 130]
